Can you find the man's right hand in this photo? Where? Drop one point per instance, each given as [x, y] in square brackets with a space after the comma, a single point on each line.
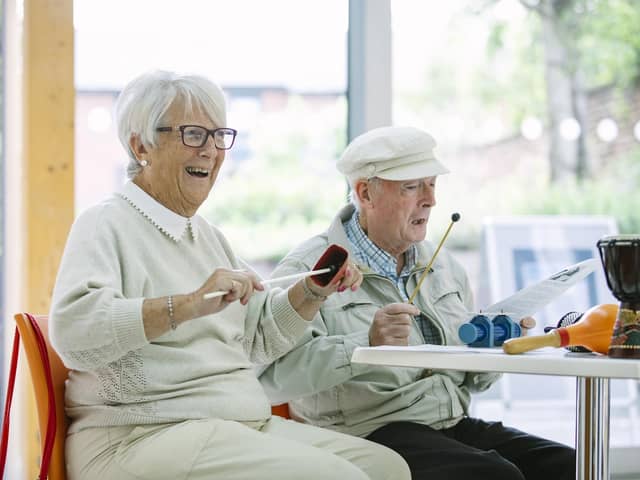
[392, 324]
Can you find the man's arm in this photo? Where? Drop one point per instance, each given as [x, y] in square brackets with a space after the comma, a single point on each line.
[318, 362]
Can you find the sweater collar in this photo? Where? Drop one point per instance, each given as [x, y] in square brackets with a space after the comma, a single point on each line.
[168, 222]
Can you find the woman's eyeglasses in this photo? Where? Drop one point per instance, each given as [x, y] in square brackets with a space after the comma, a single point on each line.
[196, 136]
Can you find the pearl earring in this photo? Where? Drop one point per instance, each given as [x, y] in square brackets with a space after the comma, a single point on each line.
[144, 163]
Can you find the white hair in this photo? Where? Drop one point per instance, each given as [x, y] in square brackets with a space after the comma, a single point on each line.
[145, 100]
[353, 197]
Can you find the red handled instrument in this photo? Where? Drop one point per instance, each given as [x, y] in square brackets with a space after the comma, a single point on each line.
[331, 267]
[334, 257]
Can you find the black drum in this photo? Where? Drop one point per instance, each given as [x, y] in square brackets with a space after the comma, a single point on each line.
[620, 257]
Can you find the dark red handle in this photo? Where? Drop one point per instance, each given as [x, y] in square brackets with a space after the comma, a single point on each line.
[334, 257]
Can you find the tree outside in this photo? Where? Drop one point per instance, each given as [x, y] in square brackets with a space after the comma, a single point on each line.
[535, 104]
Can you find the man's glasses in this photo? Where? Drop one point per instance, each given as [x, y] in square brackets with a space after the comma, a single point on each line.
[196, 136]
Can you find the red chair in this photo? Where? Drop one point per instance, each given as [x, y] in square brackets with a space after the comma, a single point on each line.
[48, 375]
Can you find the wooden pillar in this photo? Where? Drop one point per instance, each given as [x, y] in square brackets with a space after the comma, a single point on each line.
[48, 158]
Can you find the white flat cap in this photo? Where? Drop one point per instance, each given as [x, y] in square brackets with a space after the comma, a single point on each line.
[392, 153]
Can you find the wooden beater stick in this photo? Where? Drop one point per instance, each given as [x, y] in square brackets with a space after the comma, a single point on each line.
[454, 218]
[295, 276]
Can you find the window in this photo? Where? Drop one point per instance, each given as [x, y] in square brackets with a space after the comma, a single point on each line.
[286, 88]
[523, 134]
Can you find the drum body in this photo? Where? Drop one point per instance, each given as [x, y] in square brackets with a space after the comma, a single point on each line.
[620, 255]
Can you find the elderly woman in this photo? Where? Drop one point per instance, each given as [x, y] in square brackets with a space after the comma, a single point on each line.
[162, 384]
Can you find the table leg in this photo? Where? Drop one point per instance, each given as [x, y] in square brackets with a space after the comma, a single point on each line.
[592, 428]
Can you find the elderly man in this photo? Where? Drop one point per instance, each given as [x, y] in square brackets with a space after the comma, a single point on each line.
[422, 414]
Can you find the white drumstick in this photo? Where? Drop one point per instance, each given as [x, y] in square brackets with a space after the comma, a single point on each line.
[295, 276]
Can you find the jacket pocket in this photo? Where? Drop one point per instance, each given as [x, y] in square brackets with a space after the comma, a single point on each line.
[443, 289]
[349, 316]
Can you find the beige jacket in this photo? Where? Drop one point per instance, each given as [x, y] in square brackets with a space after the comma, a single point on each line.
[325, 389]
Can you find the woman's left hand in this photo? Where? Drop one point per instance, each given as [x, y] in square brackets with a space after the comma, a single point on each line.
[352, 279]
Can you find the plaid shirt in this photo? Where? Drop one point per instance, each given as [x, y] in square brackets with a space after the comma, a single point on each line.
[380, 262]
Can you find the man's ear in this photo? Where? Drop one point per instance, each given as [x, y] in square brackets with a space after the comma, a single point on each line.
[362, 191]
[137, 147]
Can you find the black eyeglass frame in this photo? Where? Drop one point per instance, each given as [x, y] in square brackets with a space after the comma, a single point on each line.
[212, 133]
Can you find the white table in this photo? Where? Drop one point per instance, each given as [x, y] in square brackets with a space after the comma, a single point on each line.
[592, 374]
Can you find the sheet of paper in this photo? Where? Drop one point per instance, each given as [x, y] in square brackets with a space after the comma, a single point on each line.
[533, 298]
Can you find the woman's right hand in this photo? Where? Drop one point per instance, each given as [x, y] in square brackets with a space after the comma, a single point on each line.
[239, 285]
[163, 313]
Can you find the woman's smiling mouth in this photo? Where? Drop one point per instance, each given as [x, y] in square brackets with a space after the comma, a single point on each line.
[197, 172]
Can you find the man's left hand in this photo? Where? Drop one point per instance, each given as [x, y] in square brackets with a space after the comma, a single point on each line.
[526, 324]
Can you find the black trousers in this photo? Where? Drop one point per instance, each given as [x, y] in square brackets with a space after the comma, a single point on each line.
[479, 450]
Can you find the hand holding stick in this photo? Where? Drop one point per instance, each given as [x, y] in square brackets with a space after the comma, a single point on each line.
[295, 276]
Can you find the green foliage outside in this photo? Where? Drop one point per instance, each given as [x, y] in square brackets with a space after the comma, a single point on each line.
[289, 188]
[614, 192]
[509, 79]
[266, 214]
[607, 36]
[503, 83]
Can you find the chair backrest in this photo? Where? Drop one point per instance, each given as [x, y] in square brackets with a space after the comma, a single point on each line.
[59, 372]
[281, 410]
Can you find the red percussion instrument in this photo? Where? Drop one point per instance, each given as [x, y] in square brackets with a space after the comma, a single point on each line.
[335, 257]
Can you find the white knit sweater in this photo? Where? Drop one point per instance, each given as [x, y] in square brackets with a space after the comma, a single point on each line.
[130, 248]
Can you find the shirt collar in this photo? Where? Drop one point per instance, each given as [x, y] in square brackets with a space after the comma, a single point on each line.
[373, 256]
[168, 222]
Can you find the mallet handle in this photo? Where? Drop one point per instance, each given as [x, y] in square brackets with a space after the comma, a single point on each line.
[524, 344]
[295, 276]
[454, 218]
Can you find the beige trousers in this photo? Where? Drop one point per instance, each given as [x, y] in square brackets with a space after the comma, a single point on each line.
[219, 449]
